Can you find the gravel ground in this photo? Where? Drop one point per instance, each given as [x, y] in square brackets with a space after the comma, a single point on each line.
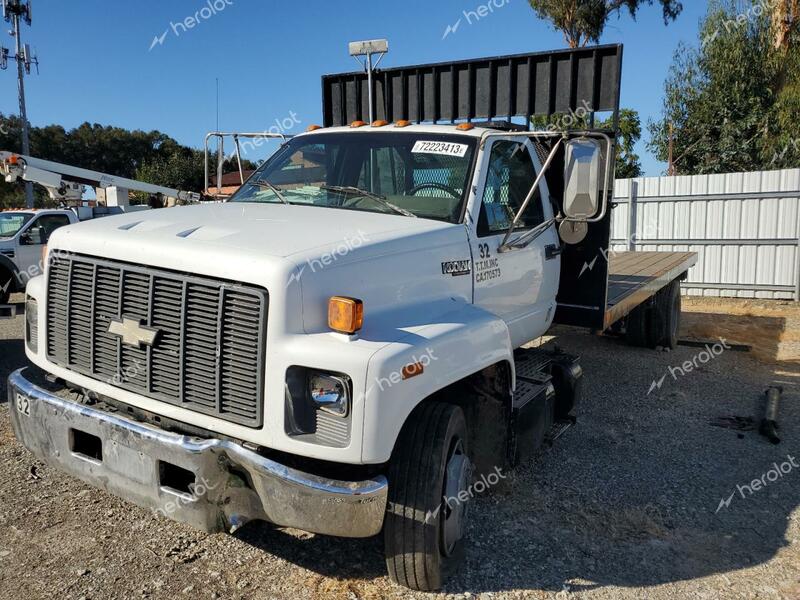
[625, 505]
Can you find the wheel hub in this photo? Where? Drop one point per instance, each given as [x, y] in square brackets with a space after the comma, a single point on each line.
[458, 473]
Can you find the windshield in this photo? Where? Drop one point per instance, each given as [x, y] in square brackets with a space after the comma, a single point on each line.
[408, 174]
[11, 223]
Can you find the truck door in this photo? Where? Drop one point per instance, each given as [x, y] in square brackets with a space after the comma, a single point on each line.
[519, 285]
[32, 239]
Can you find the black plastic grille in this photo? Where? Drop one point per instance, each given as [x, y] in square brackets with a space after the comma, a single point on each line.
[208, 354]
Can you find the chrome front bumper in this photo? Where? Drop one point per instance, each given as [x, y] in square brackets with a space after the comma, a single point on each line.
[231, 484]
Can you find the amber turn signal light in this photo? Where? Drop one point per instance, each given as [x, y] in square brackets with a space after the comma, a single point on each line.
[345, 315]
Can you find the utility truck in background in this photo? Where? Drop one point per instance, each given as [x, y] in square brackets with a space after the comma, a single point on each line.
[340, 347]
[24, 233]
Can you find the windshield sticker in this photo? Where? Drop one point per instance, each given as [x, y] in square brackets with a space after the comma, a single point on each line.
[446, 148]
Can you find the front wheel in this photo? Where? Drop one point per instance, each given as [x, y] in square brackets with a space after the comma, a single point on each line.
[429, 479]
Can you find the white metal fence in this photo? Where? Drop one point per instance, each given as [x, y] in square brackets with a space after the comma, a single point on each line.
[745, 228]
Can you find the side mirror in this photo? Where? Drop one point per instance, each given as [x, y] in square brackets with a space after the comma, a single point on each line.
[32, 237]
[583, 169]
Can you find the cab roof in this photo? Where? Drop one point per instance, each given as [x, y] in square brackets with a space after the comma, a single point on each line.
[476, 132]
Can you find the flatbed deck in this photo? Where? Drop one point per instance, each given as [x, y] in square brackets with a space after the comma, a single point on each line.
[633, 277]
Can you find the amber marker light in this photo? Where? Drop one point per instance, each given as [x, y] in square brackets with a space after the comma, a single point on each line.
[345, 315]
[413, 370]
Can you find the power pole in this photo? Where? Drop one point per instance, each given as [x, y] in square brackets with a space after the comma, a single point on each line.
[13, 11]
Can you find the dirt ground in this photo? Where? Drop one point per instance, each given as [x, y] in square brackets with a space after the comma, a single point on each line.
[644, 498]
[770, 327]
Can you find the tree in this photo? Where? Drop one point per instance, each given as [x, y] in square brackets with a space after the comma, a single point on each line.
[150, 156]
[583, 21]
[730, 104]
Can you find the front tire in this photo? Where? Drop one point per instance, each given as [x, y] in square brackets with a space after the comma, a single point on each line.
[425, 519]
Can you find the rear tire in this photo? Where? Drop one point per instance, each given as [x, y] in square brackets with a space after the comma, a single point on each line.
[668, 315]
[636, 329]
[423, 533]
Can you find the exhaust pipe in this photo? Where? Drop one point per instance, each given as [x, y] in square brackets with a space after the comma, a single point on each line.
[769, 424]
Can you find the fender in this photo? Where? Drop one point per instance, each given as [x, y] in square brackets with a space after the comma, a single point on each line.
[426, 360]
[9, 265]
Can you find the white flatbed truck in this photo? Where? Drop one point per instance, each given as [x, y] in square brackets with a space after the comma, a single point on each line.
[339, 346]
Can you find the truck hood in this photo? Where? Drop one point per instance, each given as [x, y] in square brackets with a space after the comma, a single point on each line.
[301, 254]
[277, 230]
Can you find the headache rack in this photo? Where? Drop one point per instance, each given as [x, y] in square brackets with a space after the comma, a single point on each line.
[486, 89]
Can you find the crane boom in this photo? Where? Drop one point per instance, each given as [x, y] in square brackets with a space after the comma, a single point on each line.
[64, 182]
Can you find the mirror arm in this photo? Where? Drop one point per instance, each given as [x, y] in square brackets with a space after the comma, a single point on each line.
[504, 247]
[530, 236]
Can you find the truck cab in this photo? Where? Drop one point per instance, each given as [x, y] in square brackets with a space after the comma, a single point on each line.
[339, 347]
[23, 235]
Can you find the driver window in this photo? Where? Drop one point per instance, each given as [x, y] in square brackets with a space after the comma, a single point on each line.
[42, 228]
[511, 174]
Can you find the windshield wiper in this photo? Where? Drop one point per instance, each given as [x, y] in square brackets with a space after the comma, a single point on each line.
[348, 189]
[273, 188]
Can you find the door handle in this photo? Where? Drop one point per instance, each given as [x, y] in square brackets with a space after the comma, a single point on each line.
[552, 250]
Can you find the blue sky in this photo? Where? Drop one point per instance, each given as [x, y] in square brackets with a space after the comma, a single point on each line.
[97, 64]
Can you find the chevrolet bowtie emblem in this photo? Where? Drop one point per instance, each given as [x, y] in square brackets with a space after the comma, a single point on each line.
[132, 332]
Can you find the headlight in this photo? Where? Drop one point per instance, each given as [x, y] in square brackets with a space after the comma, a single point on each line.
[329, 393]
[32, 324]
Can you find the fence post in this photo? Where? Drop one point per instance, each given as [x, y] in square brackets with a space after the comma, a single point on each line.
[797, 258]
[632, 193]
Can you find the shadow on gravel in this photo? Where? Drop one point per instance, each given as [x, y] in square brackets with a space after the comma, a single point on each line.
[642, 492]
[12, 357]
[339, 558]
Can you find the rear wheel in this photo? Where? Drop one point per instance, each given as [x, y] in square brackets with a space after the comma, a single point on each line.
[636, 328]
[429, 479]
[667, 316]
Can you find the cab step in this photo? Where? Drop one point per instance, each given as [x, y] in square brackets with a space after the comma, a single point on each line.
[548, 388]
[558, 429]
[8, 311]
